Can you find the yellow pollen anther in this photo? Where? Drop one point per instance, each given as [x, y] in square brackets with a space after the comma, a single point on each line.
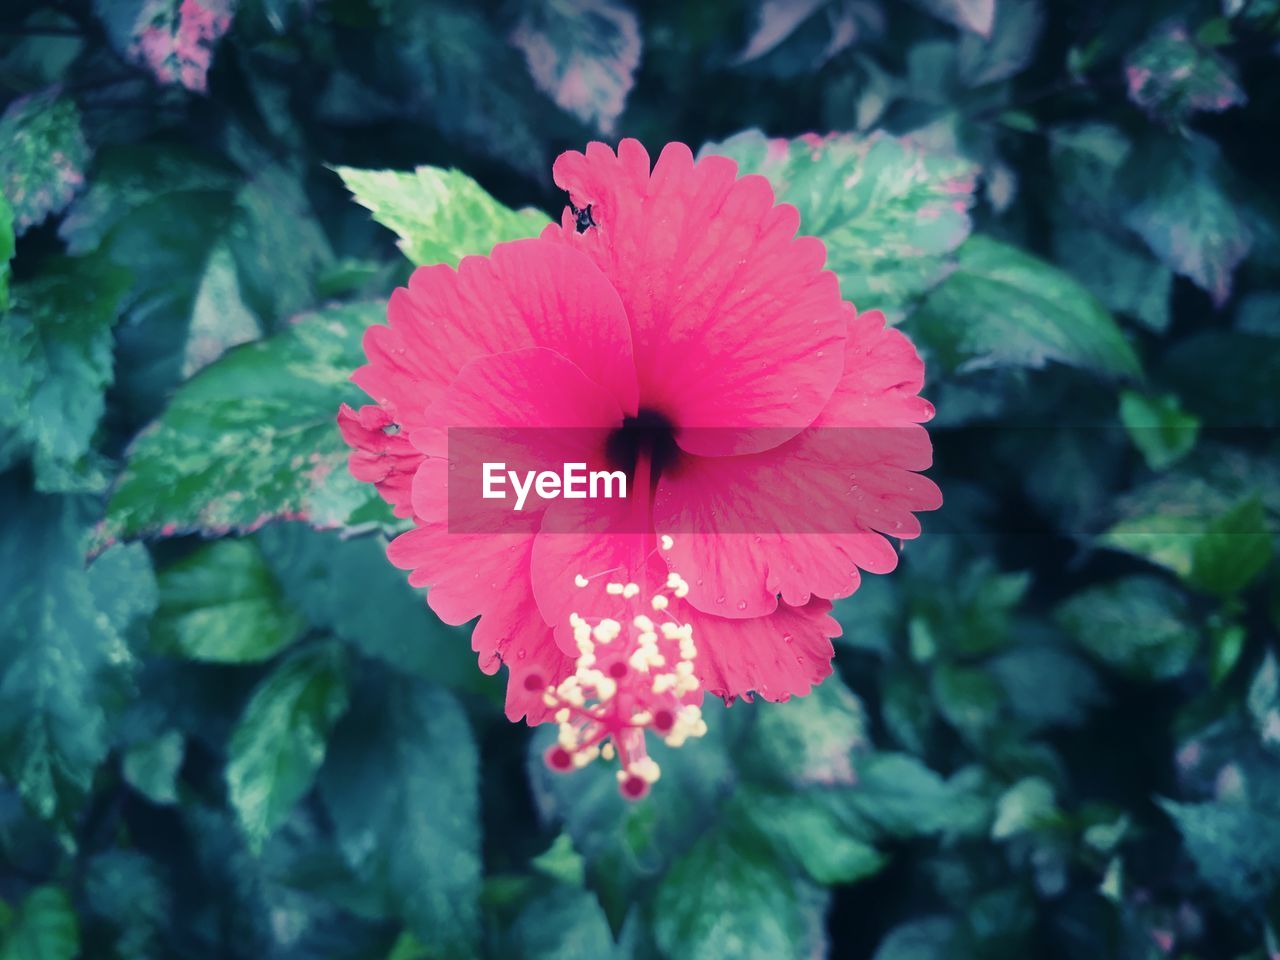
[646, 769]
[606, 630]
[650, 671]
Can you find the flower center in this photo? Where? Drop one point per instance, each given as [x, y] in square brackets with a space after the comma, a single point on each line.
[633, 676]
[650, 436]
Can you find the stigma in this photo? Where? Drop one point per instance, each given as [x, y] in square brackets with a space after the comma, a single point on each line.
[634, 677]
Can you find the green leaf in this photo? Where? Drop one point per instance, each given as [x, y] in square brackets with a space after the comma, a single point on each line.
[1026, 806]
[222, 605]
[1232, 551]
[151, 767]
[581, 53]
[1090, 240]
[43, 156]
[562, 922]
[251, 438]
[127, 181]
[65, 651]
[1178, 203]
[220, 319]
[1162, 431]
[1046, 685]
[928, 938]
[43, 927]
[280, 741]
[968, 698]
[447, 62]
[162, 213]
[346, 586]
[1164, 521]
[976, 16]
[626, 844]
[812, 740]
[1009, 49]
[439, 215]
[890, 213]
[802, 38]
[730, 898]
[1235, 848]
[561, 861]
[126, 892]
[1003, 307]
[1141, 625]
[904, 798]
[279, 246]
[1263, 701]
[1125, 277]
[811, 829]
[1227, 642]
[1171, 76]
[6, 251]
[173, 40]
[414, 840]
[55, 364]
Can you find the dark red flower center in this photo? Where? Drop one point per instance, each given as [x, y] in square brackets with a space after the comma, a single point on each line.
[651, 434]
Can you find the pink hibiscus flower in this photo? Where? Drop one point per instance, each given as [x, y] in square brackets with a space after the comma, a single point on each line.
[673, 326]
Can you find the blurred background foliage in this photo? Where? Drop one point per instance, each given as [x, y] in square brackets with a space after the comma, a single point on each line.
[1054, 732]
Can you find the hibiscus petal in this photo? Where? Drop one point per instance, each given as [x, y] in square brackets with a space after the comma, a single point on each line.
[803, 519]
[527, 293]
[880, 383]
[381, 454]
[778, 656]
[529, 410]
[597, 540]
[472, 575]
[735, 323]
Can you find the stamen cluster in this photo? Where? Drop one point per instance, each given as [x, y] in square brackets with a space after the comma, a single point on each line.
[633, 676]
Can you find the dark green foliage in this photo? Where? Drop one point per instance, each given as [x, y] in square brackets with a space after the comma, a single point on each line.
[230, 729]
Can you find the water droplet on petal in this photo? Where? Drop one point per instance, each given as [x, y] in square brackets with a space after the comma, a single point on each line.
[719, 599]
[742, 604]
